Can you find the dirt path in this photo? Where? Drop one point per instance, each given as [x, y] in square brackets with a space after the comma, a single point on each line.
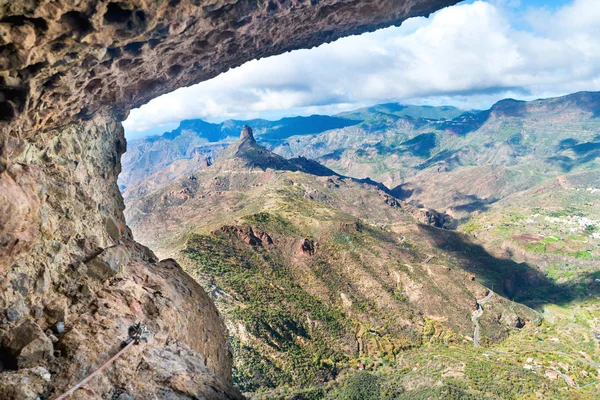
[478, 314]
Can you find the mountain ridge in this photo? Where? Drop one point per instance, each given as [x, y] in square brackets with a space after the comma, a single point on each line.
[146, 156]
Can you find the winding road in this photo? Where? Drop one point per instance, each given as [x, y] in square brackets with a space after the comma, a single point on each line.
[478, 314]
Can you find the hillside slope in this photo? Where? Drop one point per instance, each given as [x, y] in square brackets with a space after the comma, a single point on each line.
[315, 272]
[478, 158]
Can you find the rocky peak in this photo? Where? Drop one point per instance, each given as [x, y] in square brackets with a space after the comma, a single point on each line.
[247, 133]
[246, 154]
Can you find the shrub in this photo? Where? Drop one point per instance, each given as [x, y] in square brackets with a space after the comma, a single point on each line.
[361, 386]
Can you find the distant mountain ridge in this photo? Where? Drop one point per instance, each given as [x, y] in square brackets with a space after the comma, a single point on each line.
[197, 137]
[411, 149]
[268, 130]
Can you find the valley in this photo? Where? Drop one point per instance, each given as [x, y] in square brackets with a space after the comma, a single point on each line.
[290, 231]
[365, 241]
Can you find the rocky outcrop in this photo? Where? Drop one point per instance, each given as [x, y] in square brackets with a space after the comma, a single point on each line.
[306, 247]
[69, 73]
[247, 133]
[26, 346]
[75, 281]
[432, 217]
[246, 234]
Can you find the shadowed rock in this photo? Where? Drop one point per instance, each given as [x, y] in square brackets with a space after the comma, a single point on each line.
[26, 346]
[247, 133]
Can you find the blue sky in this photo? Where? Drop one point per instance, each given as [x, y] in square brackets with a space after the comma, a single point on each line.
[469, 55]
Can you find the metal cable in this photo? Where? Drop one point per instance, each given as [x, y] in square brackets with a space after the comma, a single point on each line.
[137, 333]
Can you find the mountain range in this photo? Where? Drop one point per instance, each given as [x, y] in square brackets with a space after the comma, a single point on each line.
[413, 150]
[368, 244]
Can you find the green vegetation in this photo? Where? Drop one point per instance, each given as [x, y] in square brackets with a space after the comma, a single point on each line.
[271, 223]
[274, 310]
[294, 339]
[360, 386]
[454, 372]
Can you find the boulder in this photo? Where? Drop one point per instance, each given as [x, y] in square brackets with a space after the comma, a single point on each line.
[109, 262]
[26, 346]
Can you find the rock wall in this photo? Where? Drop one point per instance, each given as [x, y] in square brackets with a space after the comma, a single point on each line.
[73, 279]
[74, 282]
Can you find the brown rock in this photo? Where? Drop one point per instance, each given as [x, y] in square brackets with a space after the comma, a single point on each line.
[19, 212]
[113, 229]
[56, 311]
[23, 36]
[307, 247]
[5, 33]
[25, 384]
[265, 238]
[244, 233]
[512, 320]
[27, 346]
[247, 133]
[109, 262]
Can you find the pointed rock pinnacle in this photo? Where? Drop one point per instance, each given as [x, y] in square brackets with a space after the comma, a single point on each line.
[247, 133]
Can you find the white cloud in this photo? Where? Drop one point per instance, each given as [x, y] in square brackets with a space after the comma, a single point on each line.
[468, 55]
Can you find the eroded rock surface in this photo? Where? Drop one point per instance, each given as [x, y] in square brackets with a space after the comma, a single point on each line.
[75, 281]
[64, 60]
[69, 73]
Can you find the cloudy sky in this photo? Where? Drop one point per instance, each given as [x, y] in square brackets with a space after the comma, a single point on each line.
[469, 55]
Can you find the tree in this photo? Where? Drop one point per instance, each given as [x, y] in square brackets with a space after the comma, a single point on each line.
[361, 386]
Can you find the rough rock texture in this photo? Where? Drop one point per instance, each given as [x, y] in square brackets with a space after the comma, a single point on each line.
[72, 270]
[26, 346]
[187, 355]
[247, 133]
[69, 73]
[64, 60]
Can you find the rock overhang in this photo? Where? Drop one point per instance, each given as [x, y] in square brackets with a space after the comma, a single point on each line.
[62, 61]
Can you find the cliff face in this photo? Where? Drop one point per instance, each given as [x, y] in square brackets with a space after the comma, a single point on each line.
[73, 278]
[70, 266]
